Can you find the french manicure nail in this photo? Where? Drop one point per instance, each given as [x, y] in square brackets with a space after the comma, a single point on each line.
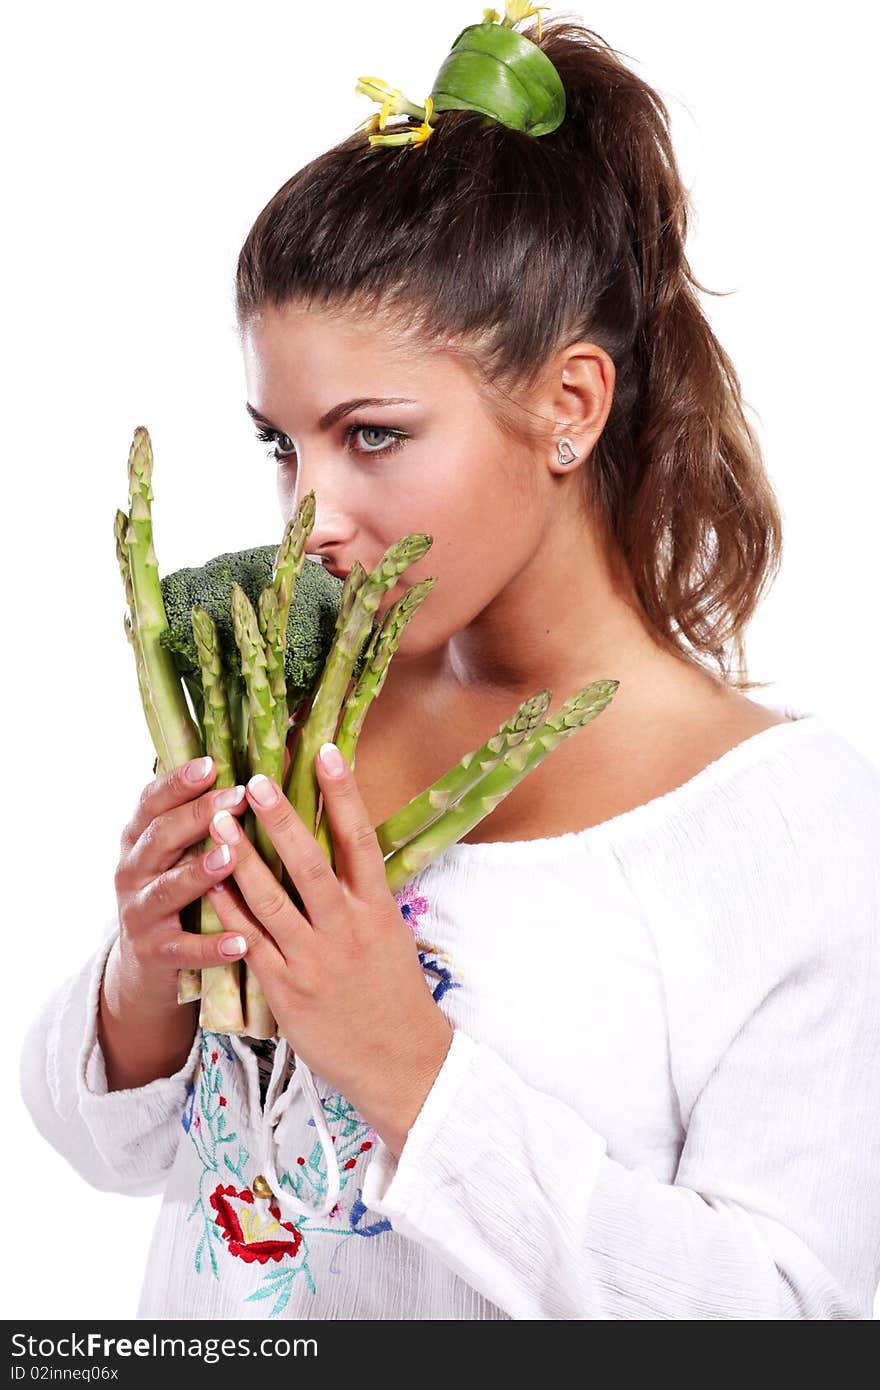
[233, 946]
[262, 790]
[229, 796]
[225, 827]
[198, 769]
[332, 759]
[218, 858]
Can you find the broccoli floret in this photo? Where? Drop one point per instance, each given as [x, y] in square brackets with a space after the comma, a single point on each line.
[310, 629]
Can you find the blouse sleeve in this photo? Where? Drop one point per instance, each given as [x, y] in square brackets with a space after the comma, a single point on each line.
[774, 1209]
[118, 1141]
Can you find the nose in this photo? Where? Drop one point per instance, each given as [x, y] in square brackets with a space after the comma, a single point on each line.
[333, 532]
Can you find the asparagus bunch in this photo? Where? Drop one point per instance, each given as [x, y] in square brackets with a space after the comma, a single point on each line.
[247, 698]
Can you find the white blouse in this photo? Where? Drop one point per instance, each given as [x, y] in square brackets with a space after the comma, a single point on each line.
[662, 1097]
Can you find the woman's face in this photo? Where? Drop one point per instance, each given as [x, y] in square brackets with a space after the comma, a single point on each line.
[431, 462]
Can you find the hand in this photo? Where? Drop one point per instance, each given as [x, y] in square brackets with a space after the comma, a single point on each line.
[157, 875]
[344, 981]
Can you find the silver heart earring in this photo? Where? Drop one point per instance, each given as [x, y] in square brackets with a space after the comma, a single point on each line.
[572, 456]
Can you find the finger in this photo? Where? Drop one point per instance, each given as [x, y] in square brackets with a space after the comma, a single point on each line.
[167, 790]
[165, 838]
[166, 895]
[259, 887]
[186, 950]
[235, 916]
[300, 852]
[360, 863]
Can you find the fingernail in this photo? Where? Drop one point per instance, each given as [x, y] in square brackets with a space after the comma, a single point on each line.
[233, 946]
[229, 796]
[225, 827]
[332, 760]
[198, 769]
[262, 790]
[218, 858]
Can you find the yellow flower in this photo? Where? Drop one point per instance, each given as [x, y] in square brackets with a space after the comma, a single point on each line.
[491, 17]
[515, 10]
[414, 136]
[391, 99]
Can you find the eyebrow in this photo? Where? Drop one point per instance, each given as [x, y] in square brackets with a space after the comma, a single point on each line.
[327, 421]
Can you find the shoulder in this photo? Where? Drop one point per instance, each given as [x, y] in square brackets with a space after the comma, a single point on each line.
[809, 787]
[781, 831]
[801, 784]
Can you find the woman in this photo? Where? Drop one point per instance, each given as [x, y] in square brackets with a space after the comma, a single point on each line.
[643, 1081]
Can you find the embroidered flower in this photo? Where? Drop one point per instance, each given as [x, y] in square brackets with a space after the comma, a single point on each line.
[412, 904]
[251, 1235]
[186, 1118]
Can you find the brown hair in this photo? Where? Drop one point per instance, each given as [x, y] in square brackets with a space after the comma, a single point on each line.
[503, 248]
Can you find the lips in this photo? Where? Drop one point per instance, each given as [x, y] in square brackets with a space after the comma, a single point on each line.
[321, 561]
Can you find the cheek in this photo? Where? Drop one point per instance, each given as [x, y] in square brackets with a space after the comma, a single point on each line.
[285, 489]
[468, 574]
[482, 526]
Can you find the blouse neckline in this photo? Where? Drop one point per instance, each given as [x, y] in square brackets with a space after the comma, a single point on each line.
[649, 814]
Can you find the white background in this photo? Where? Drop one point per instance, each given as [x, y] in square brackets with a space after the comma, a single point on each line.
[140, 144]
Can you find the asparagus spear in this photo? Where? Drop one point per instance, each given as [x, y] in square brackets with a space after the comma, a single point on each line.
[516, 764]
[265, 742]
[275, 600]
[265, 754]
[352, 630]
[385, 641]
[221, 984]
[175, 736]
[404, 824]
[353, 582]
[179, 738]
[384, 644]
[119, 530]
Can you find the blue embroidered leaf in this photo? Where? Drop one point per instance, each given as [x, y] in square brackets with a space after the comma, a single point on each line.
[278, 1276]
[282, 1301]
[237, 1167]
[262, 1293]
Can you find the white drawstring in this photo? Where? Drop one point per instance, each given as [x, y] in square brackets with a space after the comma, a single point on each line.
[274, 1106]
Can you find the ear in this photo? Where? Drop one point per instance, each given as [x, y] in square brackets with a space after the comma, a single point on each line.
[580, 391]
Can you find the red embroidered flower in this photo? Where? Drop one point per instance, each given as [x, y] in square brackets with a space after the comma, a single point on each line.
[222, 1100]
[246, 1232]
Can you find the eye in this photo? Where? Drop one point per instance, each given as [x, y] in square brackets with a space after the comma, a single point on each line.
[398, 439]
[269, 437]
